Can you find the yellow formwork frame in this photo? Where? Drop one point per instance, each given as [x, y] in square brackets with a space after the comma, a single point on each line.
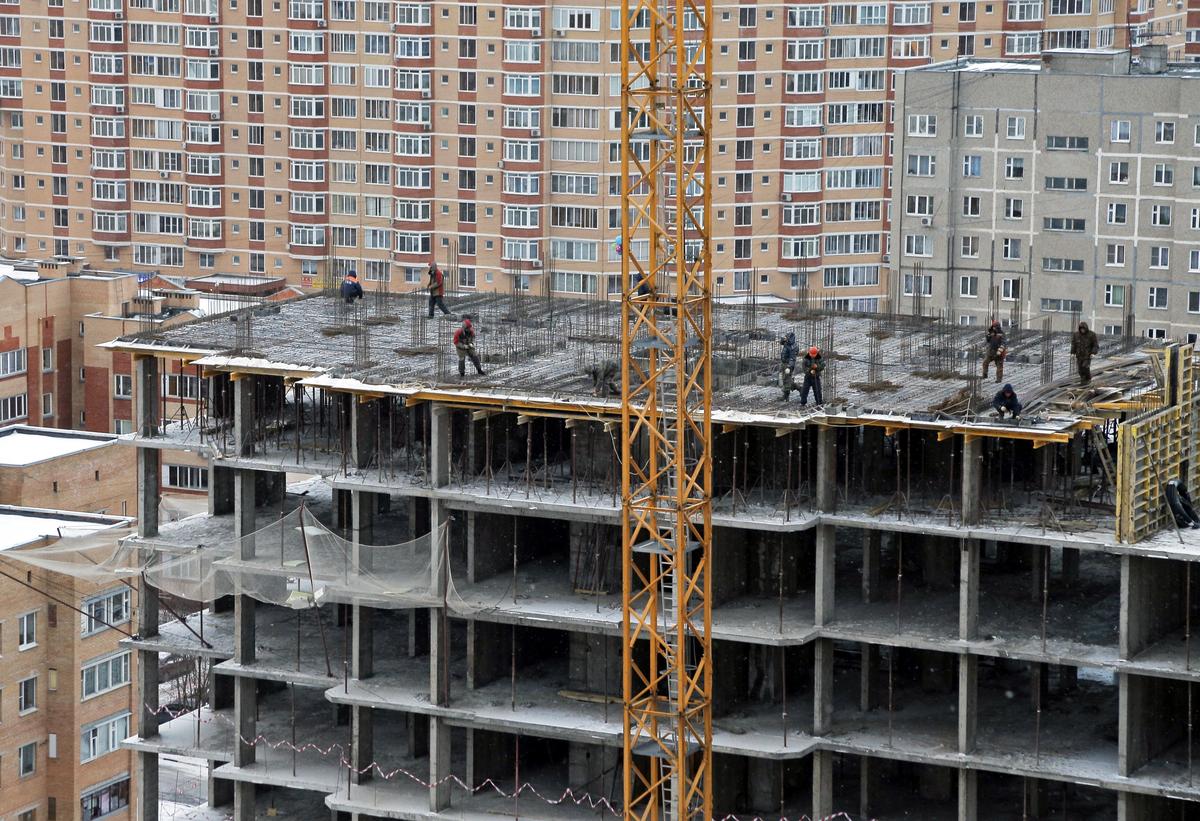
[1153, 447]
[666, 408]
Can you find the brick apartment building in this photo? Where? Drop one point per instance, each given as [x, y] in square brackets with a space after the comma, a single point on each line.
[65, 697]
[305, 138]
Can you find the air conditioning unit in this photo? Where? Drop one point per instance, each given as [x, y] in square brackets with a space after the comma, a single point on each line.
[118, 15]
[559, 33]
[163, 175]
[212, 115]
[821, 129]
[885, 258]
[212, 18]
[825, 31]
[787, 197]
[927, 221]
[500, 164]
[321, 23]
[535, 263]
[426, 94]
[537, 32]
[426, 127]
[214, 52]
[120, 109]
[535, 132]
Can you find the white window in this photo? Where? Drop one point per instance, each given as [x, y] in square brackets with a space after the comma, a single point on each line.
[1114, 296]
[1156, 298]
[1118, 172]
[918, 245]
[1118, 131]
[973, 126]
[1016, 128]
[1114, 255]
[969, 247]
[105, 610]
[104, 736]
[922, 125]
[1021, 10]
[1014, 168]
[972, 165]
[1160, 256]
[1011, 248]
[27, 765]
[968, 286]
[27, 631]
[27, 692]
[1025, 43]
[1010, 289]
[104, 674]
[921, 165]
[1160, 215]
[1118, 213]
[1164, 132]
[12, 362]
[1164, 174]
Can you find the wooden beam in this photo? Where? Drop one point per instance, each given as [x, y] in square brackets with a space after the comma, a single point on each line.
[943, 435]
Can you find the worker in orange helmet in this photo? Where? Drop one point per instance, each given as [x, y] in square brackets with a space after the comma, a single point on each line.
[812, 364]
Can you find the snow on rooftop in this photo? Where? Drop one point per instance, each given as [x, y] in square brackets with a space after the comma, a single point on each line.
[22, 526]
[26, 445]
[8, 269]
[997, 65]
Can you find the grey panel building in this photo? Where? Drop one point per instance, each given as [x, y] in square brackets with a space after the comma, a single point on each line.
[1065, 187]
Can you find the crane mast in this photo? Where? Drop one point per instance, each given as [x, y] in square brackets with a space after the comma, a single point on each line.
[666, 426]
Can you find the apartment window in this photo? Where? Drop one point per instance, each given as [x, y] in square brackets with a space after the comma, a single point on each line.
[1160, 256]
[968, 286]
[27, 631]
[1114, 295]
[1014, 168]
[1193, 302]
[105, 674]
[1164, 174]
[27, 760]
[969, 247]
[1118, 172]
[1060, 143]
[922, 283]
[972, 165]
[1015, 128]
[1156, 333]
[973, 123]
[1062, 265]
[1014, 208]
[1160, 215]
[105, 799]
[921, 165]
[101, 737]
[1156, 298]
[971, 206]
[922, 125]
[1023, 10]
[1118, 213]
[918, 245]
[12, 362]
[1072, 224]
[27, 695]
[1164, 132]
[1062, 306]
[1011, 248]
[1114, 254]
[105, 610]
[1118, 131]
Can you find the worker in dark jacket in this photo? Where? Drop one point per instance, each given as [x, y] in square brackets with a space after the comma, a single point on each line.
[788, 352]
[1084, 346]
[1006, 400]
[437, 289]
[464, 343]
[812, 364]
[604, 378]
[995, 349]
[351, 290]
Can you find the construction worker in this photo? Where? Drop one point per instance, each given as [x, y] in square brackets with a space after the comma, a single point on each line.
[787, 364]
[995, 349]
[437, 289]
[812, 364]
[604, 376]
[351, 290]
[464, 343]
[1084, 346]
[1006, 400]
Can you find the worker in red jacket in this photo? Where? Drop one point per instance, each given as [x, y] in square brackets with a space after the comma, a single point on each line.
[437, 288]
[464, 343]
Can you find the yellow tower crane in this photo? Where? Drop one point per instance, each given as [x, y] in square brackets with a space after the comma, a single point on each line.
[666, 426]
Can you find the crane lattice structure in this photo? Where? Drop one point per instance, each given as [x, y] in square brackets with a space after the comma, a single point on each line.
[666, 427]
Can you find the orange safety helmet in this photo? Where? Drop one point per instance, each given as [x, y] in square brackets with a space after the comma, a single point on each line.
[814, 351]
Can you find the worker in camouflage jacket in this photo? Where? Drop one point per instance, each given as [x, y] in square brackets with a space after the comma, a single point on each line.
[1084, 346]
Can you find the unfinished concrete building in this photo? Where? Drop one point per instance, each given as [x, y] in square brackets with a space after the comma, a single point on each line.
[918, 610]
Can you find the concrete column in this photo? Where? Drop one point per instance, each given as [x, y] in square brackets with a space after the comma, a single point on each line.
[826, 479]
[364, 431]
[147, 407]
[363, 509]
[822, 686]
[439, 684]
[484, 661]
[1070, 566]
[866, 777]
[220, 790]
[763, 781]
[869, 684]
[871, 584]
[149, 468]
[968, 795]
[968, 590]
[362, 742]
[968, 702]
[220, 490]
[822, 784]
[245, 696]
[243, 415]
[1038, 578]
[972, 475]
